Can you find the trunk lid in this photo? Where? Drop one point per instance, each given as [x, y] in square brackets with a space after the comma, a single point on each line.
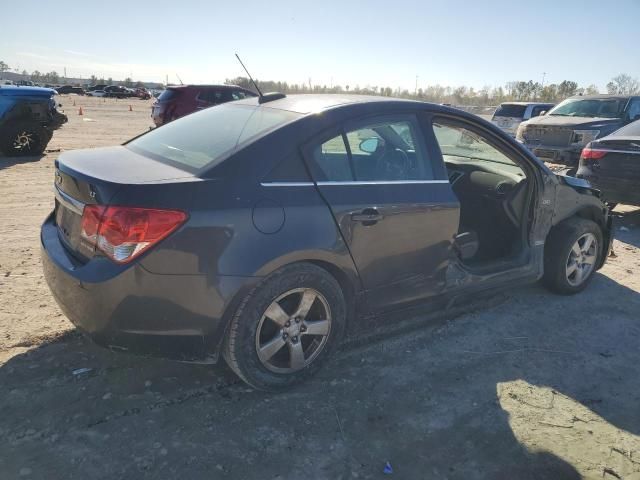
[96, 176]
[622, 159]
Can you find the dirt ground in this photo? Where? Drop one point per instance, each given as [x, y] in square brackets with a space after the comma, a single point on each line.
[531, 386]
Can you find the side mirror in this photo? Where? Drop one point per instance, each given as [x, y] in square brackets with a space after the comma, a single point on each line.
[543, 112]
[369, 145]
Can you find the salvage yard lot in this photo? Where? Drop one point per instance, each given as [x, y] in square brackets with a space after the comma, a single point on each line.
[532, 385]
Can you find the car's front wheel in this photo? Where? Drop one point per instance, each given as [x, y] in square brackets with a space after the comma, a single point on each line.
[24, 139]
[571, 255]
[286, 328]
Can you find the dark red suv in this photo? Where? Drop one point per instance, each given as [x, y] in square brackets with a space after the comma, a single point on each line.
[177, 101]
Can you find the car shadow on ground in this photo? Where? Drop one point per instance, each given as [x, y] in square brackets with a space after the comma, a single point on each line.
[7, 162]
[490, 394]
[624, 222]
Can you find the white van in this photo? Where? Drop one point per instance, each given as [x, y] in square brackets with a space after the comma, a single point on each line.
[509, 115]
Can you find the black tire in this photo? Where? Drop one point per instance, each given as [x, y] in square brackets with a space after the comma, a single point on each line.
[240, 349]
[24, 139]
[557, 251]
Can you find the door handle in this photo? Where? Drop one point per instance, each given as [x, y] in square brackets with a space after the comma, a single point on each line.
[368, 216]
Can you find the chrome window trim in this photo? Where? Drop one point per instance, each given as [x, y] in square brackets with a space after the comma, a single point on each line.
[637, 152]
[287, 184]
[384, 182]
[387, 182]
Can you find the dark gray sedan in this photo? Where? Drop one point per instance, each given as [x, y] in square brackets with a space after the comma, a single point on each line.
[612, 164]
[261, 228]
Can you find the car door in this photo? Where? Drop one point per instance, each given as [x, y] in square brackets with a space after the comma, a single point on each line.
[396, 212]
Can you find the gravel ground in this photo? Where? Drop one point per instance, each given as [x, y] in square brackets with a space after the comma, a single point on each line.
[530, 385]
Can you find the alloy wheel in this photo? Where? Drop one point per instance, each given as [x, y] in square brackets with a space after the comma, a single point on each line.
[582, 259]
[293, 330]
[25, 141]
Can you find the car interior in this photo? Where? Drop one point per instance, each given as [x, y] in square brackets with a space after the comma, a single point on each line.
[492, 191]
[382, 152]
[491, 188]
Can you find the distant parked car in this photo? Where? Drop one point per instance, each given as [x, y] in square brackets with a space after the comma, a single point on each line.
[96, 93]
[612, 164]
[100, 86]
[65, 89]
[178, 101]
[143, 93]
[508, 116]
[28, 117]
[560, 135]
[118, 91]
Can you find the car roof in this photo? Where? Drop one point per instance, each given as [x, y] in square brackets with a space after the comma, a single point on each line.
[225, 86]
[311, 103]
[601, 96]
[526, 103]
[26, 91]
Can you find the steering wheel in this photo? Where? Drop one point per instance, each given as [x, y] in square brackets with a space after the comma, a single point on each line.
[393, 165]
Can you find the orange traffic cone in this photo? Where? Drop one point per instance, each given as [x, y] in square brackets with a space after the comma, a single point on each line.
[80, 111]
[130, 109]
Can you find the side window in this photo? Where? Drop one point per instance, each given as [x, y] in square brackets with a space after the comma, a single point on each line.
[634, 109]
[205, 96]
[537, 111]
[381, 151]
[289, 169]
[333, 161]
[460, 144]
[238, 95]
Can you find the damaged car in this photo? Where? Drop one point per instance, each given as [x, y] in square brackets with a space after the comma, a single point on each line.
[561, 134]
[28, 118]
[264, 229]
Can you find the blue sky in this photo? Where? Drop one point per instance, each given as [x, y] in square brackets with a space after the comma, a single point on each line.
[382, 43]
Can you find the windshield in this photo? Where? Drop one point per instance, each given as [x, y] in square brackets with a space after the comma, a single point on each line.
[592, 107]
[204, 138]
[510, 110]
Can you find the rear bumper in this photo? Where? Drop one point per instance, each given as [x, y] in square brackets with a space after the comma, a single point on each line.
[128, 308]
[564, 155]
[613, 189]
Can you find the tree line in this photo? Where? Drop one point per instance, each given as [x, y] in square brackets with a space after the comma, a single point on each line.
[512, 91]
[518, 90]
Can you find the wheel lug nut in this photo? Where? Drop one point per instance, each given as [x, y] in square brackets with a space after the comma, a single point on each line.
[294, 339]
[303, 328]
[285, 335]
[288, 324]
[297, 319]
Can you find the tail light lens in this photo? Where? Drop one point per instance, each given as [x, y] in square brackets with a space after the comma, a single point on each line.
[123, 233]
[591, 154]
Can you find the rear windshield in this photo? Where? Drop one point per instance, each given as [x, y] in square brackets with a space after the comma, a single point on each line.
[167, 95]
[507, 110]
[204, 139]
[592, 107]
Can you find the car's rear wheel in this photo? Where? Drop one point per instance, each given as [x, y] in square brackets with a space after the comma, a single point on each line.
[571, 255]
[24, 139]
[286, 327]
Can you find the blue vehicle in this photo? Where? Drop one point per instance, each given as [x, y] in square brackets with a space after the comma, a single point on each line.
[28, 117]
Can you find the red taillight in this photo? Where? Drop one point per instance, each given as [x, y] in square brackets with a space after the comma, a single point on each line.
[123, 233]
[591, 154]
